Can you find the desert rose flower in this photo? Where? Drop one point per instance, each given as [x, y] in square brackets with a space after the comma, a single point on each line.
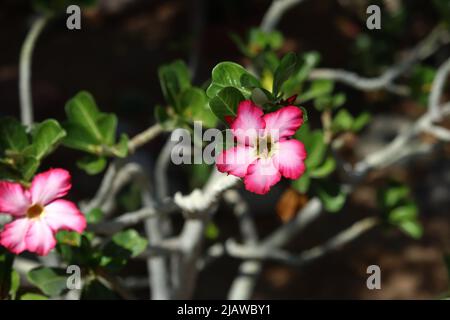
[264, 151]
[38, 212]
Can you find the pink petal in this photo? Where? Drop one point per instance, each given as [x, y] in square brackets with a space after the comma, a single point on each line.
[284, 122]
[236, 160]
[289, 158]
[248, 123]
[261, 175]
[63, 214]
[13, 235]
[40, 238]
[50, 185]
[13, 199]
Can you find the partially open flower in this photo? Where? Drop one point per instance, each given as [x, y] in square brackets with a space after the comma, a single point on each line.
[265, 151]
[38, 212]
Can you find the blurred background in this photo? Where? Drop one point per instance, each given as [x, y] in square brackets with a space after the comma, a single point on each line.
[116, 54]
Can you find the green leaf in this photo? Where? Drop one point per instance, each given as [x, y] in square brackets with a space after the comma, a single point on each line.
[83, 111]
[331, 195]
[51, 281]
[318, 88]
[123, 246]
[315, 149]
[212, 231]
[174, 78]
[94, 216]
[69, 238]
[12, 135]
[15, 284]
[403, 213]
[121, 148]
[163, 118]
[230, 74]
[393, 195]
[361, 121]
[45, 137]
[90, 130]
[194, 104]
[226, 102]
[130, 240]
[413, 228]
[33, 296]
[325, 169]
[91, 164]
[294, 84]
[79, 138]
[343, 121]
[302, 184]
[29, 167]
[107, 124]
[286, 68]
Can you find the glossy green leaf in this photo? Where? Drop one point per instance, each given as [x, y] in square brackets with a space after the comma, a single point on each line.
[131, 240]
[12, 135]
[174, 78]
[403, 213]
[15, 284]
[343, 121]
[45, 137]
[226, 102]
[230, 74]
[325, 169]
[412, 228]
[331, 195]
[83, 111]
[91, 164]
[94, 216]
[51, 281]
[285, 70]
[361, 121]
[318, 88]
[302, 184]
[33, 296]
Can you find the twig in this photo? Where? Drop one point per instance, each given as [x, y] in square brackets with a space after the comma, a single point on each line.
[275, 12]
[266, 253]
[26, 54]
[132, 218]
[157, 266]
[437, 89]
[162, 163]
[144, 137]
[249, 270]
[428, 46]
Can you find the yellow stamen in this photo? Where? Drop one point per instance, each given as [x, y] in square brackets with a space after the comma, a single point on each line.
[35, 211]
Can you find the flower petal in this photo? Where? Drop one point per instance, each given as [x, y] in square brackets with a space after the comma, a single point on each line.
[249, 121]
[50, 185]
[63, 214]
[40, 237]
[13, 235]
[289, 158]
[284, 122]
[13, 199]
[236, 160]
[261, 175]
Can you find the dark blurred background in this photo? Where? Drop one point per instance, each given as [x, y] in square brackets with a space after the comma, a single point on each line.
[116, 54]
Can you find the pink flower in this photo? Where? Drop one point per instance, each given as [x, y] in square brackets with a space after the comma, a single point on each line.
[38, 212]
[264, 150]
